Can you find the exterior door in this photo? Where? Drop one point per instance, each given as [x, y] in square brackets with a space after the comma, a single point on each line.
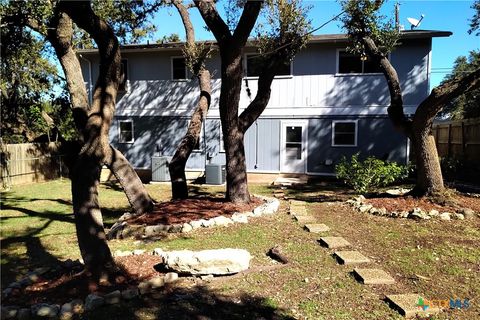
[293, 150]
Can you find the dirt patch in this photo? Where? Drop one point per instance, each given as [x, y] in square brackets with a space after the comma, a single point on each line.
[139, 267]
[407, 203]
[184, 211]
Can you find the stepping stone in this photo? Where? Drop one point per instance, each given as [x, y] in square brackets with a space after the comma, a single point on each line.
[304, 219]
[334, 242]
[317, 227]
[350, 257]
[373, 276]
[411, 305]
[300, 212]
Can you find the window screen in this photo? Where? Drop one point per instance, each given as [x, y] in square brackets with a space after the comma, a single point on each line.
[344, 133]
[126, 131]
[179, 69]
[255, 63]
[352, 63]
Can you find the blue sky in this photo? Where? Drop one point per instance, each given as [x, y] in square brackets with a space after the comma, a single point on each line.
[439, 15]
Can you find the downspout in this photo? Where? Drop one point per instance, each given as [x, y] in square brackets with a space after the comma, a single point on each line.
[90, 86]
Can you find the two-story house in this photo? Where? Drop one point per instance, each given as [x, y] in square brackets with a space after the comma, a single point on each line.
[328, 103]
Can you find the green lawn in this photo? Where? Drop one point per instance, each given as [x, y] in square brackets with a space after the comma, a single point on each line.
[37, 229]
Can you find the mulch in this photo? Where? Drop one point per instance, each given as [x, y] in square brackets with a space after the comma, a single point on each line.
[68, 284]
[182, 211]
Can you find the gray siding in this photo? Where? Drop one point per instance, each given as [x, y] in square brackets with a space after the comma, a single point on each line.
[376, 137]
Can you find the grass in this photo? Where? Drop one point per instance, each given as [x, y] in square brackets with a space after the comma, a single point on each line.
[37, 229]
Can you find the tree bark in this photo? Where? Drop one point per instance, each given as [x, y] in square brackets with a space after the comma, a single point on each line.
[231, 51]
[60, 36]
[179, 160]
[185, 148]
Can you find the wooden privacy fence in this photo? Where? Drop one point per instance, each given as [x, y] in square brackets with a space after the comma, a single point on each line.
[458, 139]
[30, 162]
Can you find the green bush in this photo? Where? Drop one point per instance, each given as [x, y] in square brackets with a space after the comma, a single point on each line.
[369, 174]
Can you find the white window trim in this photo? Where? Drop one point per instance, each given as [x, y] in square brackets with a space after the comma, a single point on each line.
[245, 67]
[171, 69]
[127, 80]
[356, 133]
[201, 141]
[337, 65]
[120, 133]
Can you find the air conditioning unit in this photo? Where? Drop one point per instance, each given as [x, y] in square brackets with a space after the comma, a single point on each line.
[160, 171]
[215, 174]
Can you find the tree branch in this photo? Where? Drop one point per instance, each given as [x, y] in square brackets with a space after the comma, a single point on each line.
[395, 110]
[247, 21]
[446, 92]
[187, 23]
[213, 20]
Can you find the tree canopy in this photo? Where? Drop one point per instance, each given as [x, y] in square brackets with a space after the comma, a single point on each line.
[466, 105]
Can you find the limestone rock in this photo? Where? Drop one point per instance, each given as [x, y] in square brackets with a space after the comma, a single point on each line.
[239, 218]
[433, 213]
[196, 224]
[93, 301]
[69, 309]
[365, 208]
[113, 297]
[207, 223]
[156, 282]
[157, 251]
[144, 287]
[217, 262]
[467, 213]
[120, 253]
[44, 310]
[186, 227]
[138, 252]
[155, 230]
[222, 221]
[459, 216]
[175, 228]
[445, 216]
[115, 231]
[8, 312]
[171, 277]
[418, 213]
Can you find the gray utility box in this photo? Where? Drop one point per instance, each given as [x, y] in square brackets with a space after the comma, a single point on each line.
[215, 174]
[160, 169]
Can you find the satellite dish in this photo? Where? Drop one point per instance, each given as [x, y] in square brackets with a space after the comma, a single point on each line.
[414, 22]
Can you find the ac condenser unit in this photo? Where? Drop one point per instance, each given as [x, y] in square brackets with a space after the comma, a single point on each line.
[215, 174]
[160, 171]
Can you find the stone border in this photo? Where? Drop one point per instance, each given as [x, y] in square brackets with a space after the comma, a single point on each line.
[359, 204]
[93, 301]
[121, 229]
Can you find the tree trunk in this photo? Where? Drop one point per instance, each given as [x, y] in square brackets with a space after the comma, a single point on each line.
[232, 72]
[88, 218]
[60, 36]
[429, 173]
[133, 187]
[179, 160]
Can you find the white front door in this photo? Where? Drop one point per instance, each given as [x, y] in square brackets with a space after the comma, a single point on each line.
[293, 149]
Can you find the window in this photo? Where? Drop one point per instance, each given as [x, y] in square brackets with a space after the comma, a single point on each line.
[293, 146]
[124, 75]
[200, 141]
[254, 64]
[125, 131]
[179, 68]
[353, 63]
[344, 133]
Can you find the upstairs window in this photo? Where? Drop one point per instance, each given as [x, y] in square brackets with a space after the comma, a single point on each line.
[254, 64]
[344, 133]
[179, 68]
[124, 75]
[353, 63]
[125, 131]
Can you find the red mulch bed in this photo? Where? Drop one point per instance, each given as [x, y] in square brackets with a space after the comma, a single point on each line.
[65, 286]
[181, 211]
[407, 203]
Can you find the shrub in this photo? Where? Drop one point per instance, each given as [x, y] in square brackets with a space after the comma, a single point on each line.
[364, 176]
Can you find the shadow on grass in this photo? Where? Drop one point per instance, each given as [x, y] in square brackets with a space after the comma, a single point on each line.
[199, 302]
